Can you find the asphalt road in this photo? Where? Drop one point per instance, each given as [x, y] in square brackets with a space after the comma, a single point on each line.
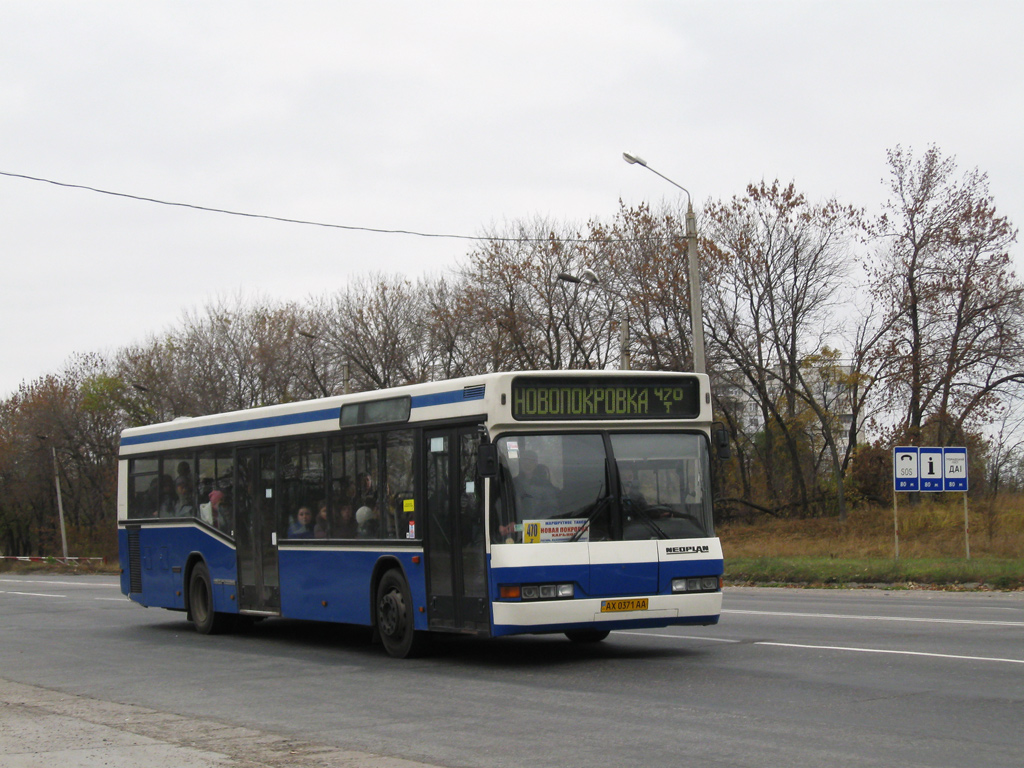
[788, 678]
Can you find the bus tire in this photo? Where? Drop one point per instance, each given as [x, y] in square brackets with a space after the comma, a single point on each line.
[587, 635]
[394, 617]
[200, 603]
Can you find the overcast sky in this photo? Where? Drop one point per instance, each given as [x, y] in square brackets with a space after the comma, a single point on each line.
[440, 117]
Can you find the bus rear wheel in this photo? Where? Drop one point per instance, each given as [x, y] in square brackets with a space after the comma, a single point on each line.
[394, 616]
[587, 635]
[200, 603]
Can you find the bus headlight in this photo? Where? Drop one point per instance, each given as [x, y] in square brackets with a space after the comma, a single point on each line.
[697, 584]
[538, 591]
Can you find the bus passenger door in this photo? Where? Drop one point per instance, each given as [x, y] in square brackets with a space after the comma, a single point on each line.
[456, 560]
[259, 588]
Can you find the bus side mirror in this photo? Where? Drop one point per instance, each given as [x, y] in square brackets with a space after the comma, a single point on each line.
[721, 439]
[487, 460]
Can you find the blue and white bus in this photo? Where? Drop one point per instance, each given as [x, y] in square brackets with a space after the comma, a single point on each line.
[572, 502]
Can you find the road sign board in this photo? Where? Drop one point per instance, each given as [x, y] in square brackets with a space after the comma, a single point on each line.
[931, 469]
[906, 468]
[954, 468]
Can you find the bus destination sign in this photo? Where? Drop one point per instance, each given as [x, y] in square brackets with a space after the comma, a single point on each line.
[623, 397]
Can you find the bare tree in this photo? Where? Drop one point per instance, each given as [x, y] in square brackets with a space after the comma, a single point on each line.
[645, 255]
[774, 266]
[376, 326]
[525, 316]
[955, 345]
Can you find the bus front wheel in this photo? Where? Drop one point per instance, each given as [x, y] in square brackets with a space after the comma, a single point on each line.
[394, 611]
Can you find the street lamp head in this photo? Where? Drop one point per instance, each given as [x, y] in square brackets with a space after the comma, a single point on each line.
[588, 276]
[696, 312]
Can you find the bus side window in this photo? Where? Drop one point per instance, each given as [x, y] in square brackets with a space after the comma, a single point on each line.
[354, 463]
[143, 487]
[301, 487]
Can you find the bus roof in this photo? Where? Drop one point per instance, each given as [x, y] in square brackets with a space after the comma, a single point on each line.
[452, 398]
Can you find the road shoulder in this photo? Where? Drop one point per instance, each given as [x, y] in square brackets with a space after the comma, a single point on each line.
[40, 727]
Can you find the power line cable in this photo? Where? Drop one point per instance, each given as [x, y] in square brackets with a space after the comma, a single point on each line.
[286, 220]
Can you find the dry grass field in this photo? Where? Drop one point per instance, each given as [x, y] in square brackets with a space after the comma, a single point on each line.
[932, 547]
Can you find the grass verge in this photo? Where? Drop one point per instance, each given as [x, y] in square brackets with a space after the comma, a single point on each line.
[928, 573]
[861, 550]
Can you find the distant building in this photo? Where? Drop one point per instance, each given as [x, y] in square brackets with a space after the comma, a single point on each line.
[737, 397]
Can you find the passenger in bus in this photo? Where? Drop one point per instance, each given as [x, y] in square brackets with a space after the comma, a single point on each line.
[369, 525]
[322, 527]
[302, 526]
[168, 498]
[205, 487]
[214, 512]
[184, 473]
[226, 514]
[184, 508]
[151, 498]
[538, 497]
[365, 493]
[347, 527]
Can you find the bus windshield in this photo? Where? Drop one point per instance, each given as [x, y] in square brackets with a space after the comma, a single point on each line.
[601, 487]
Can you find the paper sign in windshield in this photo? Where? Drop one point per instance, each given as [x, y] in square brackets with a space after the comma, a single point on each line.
[535, 531]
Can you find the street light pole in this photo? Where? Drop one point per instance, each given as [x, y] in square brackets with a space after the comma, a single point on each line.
[60, 498]
[60, 504]
[696, 306]
[590, 278]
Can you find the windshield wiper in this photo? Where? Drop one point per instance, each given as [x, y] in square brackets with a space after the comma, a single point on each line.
[599, 505]
[642, 514]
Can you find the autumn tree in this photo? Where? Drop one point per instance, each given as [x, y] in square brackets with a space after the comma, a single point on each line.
[56, 424]
[954, 350]
[524, 316]
[376, 326]
[644, 255]
[774, 267]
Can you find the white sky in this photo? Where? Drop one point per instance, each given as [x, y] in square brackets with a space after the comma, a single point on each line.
[446, 117]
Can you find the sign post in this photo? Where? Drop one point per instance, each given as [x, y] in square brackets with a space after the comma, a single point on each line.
[954, 470]
[906, 477]
[931, 470]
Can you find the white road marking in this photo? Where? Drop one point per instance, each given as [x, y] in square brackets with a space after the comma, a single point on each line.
[56, 583]
[28, 594]
[848, 649]
[877, 618]
[676, 637]
[883, 650]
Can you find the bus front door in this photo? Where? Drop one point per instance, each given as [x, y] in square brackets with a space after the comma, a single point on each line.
[456, 561]
[259, 589]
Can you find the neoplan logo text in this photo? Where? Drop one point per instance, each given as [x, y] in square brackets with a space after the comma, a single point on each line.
[701, 549]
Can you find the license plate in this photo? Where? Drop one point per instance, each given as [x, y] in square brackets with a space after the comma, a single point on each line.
[635, 604]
